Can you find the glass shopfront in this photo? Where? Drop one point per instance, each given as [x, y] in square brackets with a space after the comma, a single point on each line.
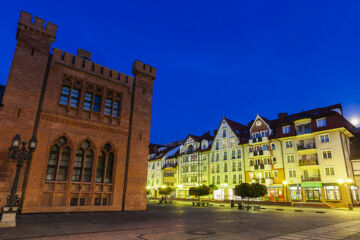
[332, 193]
[295, 193]
[313, 194]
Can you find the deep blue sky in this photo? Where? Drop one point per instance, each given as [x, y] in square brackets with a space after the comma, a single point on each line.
[214, 58]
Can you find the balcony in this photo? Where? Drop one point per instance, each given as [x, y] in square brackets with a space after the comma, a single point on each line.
[306, 146]
[308, 162]
[269, 181]
[310, 179]
[258, 140]
[267, 167]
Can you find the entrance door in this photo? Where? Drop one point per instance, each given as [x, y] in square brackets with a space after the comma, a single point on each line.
[312, 195]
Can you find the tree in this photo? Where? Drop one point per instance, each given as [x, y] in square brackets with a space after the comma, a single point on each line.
[254, 190]
[199, 191]
[165, 191]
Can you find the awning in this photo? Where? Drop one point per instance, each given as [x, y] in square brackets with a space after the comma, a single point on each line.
[311, 184]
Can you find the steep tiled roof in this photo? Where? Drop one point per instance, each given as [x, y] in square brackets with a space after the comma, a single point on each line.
[240, 130]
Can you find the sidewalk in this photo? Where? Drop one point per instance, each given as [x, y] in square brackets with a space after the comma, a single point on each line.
[264, 207]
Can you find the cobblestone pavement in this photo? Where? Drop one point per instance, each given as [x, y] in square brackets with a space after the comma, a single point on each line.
[347, 230]
[182, 221]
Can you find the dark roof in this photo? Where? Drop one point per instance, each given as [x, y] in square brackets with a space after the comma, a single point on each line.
[240, 130]
[2, 90]
[206, 136]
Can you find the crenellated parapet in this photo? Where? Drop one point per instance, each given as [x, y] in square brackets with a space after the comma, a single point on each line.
[37, 25]
[144, 70]
[84, 64]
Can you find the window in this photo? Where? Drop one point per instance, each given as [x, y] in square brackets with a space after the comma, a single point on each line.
[274, 160]
[83, 162]
[218, 180]
[212, 157]
[233, 154]
[224, 143]
[65, 94]
[224, 132]
[75, 96]
[327, 154]
[97, 201]
[290, 158]
[292, 173]
[213, 180]
[226, 179]
[204, 168]
[59, 159]
[289, 144]
[324, 138]
[234, 166]
[225, 155]
[332, 193]
[105, 165]
[273, 146]
[217, 156]
[217, 145]
[263, 133]
[232, 142]
[286, 129]
[239, 153]
[213, 168]
[217, 168]
[88, 101]
[116, 110]
[225, 167]
[329, 171]
[108, 106]
[97, 103]
[240, 178]
[321, 122]
[234, 179]
[73, 202]
[275, 173]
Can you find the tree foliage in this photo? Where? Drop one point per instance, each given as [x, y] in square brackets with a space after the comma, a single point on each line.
[246, 190]
[165, 191]
[199, 191]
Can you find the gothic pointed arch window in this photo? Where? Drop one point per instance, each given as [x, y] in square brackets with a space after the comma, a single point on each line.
[104, 170]
[59, 158]
[83, 162]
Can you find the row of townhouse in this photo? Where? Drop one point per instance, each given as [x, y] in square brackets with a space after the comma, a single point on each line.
[303, 157]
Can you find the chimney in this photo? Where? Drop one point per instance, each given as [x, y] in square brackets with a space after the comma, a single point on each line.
[83, 53]
[282, 116]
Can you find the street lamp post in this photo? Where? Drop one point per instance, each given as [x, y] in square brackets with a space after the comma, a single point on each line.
[341, 181]
[19, 155]
[285, 190]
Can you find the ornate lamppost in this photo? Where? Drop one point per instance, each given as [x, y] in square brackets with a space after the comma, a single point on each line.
[18, 154]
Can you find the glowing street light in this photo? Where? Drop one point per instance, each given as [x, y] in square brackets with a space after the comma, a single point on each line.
[355, 121]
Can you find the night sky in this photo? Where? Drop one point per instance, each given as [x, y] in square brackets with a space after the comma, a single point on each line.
[214, 58]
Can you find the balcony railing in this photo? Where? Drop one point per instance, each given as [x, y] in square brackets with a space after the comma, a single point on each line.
[311, 179]
[307, 162]
[306, 146]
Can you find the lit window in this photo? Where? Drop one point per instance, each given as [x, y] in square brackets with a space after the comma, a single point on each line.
[332, 193]
[324, 138]
[321, 122]
[286, 129]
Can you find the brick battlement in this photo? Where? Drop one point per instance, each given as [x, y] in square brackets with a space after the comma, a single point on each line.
[86, 65]
[144, 69]
[26, 21]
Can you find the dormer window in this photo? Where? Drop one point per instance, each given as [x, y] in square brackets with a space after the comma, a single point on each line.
[286, 129]
[321, 122]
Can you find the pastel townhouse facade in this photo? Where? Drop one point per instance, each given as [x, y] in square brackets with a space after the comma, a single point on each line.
[302, 158]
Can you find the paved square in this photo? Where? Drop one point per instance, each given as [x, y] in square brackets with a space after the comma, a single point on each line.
[182, 221]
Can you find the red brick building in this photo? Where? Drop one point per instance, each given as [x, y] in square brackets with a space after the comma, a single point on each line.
[92, 125]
